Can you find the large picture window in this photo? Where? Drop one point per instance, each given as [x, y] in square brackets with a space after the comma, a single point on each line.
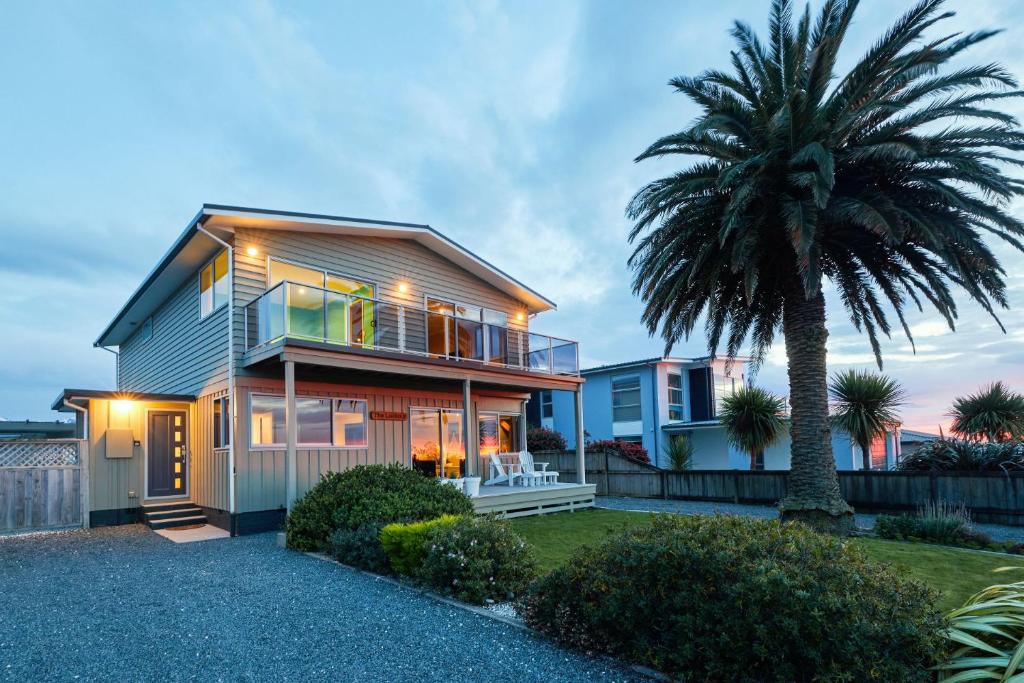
[325, 422]
[454, 330]
[498, 433]
[675, 397]
[626, 399]
[214, 286]
[323, 311]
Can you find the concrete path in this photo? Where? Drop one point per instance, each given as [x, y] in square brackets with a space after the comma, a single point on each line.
[124, 604]
[696, 507]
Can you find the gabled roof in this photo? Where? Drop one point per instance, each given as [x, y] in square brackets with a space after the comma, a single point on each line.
[79, 395]
[645, 361]
[193, 248]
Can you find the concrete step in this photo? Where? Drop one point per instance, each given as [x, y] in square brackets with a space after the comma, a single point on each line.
[165, 507]
[170, 514]
[191, 520]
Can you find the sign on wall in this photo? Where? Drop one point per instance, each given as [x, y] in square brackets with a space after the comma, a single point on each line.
[387, 415]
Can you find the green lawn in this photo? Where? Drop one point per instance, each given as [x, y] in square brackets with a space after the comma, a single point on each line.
[955, 573]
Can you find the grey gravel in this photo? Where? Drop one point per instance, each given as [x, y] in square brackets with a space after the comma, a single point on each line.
[124, 604]
[699, 507]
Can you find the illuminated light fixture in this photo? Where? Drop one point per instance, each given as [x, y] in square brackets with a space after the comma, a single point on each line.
[121, 406]
[519, 315]
[302, 290]
[403, 287]
[252, 251]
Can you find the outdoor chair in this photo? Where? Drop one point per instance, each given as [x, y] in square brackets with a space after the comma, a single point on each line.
[504, 472]
[530, 472]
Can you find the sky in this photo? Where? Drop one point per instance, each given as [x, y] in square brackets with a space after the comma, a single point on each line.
[510, 127]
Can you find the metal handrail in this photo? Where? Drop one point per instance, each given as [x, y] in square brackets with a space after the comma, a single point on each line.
[523, 354]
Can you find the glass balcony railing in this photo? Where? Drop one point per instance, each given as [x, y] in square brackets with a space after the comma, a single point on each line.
[297, 311]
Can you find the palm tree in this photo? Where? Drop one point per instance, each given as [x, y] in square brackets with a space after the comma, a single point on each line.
[995, 413]
[752, 418]
[881, 181]
[865, 405]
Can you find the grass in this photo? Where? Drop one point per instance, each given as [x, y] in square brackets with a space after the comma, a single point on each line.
[954, 572]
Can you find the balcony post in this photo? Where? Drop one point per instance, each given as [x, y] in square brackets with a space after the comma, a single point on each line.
[292, 434]
[467, 431]
[522, 426]
[551, 356]
[581, 459]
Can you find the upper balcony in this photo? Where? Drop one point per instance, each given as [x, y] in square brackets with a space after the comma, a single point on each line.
[301, 312]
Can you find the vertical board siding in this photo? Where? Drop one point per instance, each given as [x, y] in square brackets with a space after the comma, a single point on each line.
[208, 467]
[260, 477]
[185, 354]
[382, 261]
[40, 498]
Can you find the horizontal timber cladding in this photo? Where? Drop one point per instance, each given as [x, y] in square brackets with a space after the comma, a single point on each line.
[992, 497]
[208, 467]
[260, 472]
[184, 355]
[384, 262]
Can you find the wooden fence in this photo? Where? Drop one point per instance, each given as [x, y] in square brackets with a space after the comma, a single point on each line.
[44, 485]
[992, 497]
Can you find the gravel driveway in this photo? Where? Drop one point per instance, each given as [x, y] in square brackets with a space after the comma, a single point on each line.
[696, 507]
[123, 604]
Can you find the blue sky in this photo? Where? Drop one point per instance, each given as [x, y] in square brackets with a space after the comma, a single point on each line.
[509, 127]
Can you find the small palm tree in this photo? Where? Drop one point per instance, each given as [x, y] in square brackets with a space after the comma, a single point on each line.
[752, 418]
[679, 450]
[864, 404]
[994, 413]
[882, 183]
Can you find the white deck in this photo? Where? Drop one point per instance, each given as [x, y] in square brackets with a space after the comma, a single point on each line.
[523, 501]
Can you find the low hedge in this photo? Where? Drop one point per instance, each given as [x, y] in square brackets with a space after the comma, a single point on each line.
[476, 559]
[737, 599]
[405, 544]
[369, 494]
[360, 547]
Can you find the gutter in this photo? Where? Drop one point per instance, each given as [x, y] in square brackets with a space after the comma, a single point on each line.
[117, 363]
[231, 361]
[85, 417]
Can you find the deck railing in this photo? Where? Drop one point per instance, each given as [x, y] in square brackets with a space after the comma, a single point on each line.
[297, 311]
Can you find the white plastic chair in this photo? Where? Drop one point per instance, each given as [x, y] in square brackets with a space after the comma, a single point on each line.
[502, 472]
[531, 475]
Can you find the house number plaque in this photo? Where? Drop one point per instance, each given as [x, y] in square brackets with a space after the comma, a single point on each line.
[387, 415]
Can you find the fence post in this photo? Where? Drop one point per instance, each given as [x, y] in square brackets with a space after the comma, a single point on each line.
[664, 484]
[607, 490]
[83, 480]
[736, 488]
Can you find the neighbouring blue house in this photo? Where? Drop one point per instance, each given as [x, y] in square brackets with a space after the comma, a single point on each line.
[648, 401]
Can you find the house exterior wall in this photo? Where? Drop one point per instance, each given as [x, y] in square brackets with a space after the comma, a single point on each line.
[185, 355]
[384, 262]
[260, 479]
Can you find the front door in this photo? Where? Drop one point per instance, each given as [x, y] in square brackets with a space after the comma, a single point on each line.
[167, 457]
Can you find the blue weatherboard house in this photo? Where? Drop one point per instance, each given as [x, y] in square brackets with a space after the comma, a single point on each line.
[651, 400]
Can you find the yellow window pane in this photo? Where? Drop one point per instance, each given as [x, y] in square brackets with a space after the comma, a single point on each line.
[206, 278]
[177, 468]
[177, 420]
[177, 435]
[220, 265]
[177, 482]
[303, 276]
[177, 451]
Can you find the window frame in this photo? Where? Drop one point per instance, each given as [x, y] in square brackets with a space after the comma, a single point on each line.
[547, 403]
[224, 421]
[303, 444]
[146, 330]
[639, 404]
[212, 265]
[681, 405]
[484, 310]
[498, 414]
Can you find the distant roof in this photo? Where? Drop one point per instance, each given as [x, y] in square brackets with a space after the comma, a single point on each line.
[645, 361]
[72, 395]
[912, 435]
[192, 248]
[47, 428]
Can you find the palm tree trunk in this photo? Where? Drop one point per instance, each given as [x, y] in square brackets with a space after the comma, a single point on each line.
[754, 457]
[865, 454]
[813, 493]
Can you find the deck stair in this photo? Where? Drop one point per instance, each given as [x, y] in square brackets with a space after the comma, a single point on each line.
[171, 515]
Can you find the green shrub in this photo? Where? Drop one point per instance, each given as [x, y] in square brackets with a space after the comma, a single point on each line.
[679, 450]
[738, 599]
[544, 439]
[477, 559]
[957, 455]
[897, 527]
[986, 634]
[368, 494]
[360, 547]
[405, 544]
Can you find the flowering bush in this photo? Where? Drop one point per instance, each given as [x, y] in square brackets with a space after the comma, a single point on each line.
[544, 439]
[476, 559]
[627, 449]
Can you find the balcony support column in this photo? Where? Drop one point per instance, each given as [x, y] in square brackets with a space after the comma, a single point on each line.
[581, 460]
[523, 446]
[467, 430]
[291, 422]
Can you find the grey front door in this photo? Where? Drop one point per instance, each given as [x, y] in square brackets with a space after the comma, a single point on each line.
[167, 457]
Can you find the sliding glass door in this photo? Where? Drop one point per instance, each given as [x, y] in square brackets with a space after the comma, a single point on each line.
[328, 309]
[436, 437]
[497, 433]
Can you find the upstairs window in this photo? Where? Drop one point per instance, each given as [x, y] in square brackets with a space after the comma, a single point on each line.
[146, 333]
[626, 399]
[675, 397]
[213, 285]
[547, 404]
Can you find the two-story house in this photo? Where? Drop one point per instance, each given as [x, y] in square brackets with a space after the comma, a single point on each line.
[267, 348]
[651, 400]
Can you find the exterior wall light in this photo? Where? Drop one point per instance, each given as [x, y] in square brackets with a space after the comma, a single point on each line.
[520, 316]
[403, 287]
[252, 251]
[121, 406]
